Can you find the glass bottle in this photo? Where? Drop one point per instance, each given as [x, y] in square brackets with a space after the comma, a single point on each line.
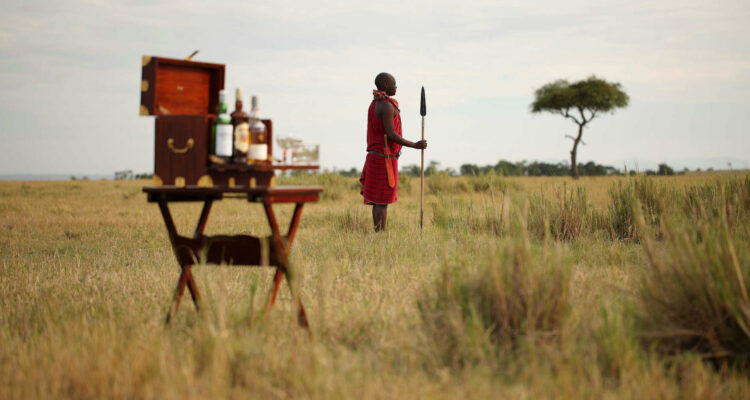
[258, 138]
[221, 143]
[241, 125]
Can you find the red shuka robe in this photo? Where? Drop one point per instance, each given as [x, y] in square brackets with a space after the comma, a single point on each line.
[374, 178]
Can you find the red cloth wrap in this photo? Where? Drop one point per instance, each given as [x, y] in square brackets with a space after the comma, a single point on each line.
[374, 179]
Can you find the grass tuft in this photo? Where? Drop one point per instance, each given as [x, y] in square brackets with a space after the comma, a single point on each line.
[644, 194]
[728, 196]
[694, 295]
[513, 297]
[565, 217]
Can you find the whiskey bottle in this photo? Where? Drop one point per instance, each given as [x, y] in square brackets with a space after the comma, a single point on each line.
[241, 126]
[221, 142]
[259, 148]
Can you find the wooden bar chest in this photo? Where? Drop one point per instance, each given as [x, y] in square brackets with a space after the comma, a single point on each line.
[183, 96]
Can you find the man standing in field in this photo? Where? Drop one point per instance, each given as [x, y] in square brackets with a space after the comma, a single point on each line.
[380, 174]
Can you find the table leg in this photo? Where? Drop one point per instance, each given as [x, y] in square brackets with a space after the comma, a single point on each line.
[186, 275]
[294, 223]
[178, 294]
[203, 218]
[276, 282]
[171, 230]
[282, 250]
[199, 228]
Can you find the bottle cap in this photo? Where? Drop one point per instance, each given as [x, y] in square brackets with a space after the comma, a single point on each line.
[255, 101]
[239, 94]
[222, 96]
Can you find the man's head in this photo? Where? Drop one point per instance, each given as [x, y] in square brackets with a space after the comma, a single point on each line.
[385, 82]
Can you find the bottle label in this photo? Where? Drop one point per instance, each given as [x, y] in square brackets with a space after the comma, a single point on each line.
[242, 137]
[258, 152]
[224, 140]
[258, 129]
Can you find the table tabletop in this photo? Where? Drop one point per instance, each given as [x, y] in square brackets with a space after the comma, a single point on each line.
[271, 194]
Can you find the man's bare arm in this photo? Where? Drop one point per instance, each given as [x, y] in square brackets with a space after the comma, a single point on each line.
[385, 111]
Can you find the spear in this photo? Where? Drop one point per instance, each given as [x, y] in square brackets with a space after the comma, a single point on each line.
[423, 112]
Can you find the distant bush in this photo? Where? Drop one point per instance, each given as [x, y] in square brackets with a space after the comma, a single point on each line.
[536, 168]
[490, 182]
[411, 170]
[665, 169]
[520, 168]
[515, 297]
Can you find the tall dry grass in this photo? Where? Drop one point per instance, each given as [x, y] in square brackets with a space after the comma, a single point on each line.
[639, 195]
[694, 295]
[514, 296]
[565, 216]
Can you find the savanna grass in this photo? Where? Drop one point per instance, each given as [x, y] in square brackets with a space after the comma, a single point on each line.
[87, 273]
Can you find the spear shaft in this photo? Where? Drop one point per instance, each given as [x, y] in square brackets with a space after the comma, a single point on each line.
[423, 112]
[421, 183]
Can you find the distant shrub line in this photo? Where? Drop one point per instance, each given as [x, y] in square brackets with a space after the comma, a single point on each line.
[522, 168]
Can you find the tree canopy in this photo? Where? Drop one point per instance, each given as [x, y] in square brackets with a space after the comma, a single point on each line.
[593, 95]
[587, 97]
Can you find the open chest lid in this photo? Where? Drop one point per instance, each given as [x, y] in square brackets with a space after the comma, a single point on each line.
[179, 87]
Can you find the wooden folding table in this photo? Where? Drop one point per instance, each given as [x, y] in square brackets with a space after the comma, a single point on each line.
[236, 249]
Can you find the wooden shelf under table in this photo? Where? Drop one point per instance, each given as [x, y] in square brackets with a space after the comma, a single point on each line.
[276, 194]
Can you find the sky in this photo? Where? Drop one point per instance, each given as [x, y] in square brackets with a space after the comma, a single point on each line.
[70, 76]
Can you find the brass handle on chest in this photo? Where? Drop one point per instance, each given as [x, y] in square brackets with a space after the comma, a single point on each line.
[170, 144]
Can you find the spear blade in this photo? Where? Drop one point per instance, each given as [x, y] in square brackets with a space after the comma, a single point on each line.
[423, 105]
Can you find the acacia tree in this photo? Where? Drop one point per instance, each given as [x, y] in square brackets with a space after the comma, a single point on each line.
[580, 101]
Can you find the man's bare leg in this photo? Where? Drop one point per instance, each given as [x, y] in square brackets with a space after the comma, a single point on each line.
[379, 215]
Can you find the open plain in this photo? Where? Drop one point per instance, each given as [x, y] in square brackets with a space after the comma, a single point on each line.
[603, 287]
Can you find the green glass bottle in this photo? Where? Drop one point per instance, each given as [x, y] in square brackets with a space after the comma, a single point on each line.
[222, 132]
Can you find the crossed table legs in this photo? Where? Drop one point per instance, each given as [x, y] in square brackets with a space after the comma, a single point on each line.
[233, 250]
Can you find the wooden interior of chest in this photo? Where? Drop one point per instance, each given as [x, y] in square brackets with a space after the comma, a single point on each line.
[183, 90]
[179, 87]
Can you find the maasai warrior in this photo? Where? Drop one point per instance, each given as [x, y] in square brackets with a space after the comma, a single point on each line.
[380, 175]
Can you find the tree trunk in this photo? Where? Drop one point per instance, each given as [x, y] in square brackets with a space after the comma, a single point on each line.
[573, 164]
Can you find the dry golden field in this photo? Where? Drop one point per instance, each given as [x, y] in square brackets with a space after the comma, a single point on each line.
[605, 287]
